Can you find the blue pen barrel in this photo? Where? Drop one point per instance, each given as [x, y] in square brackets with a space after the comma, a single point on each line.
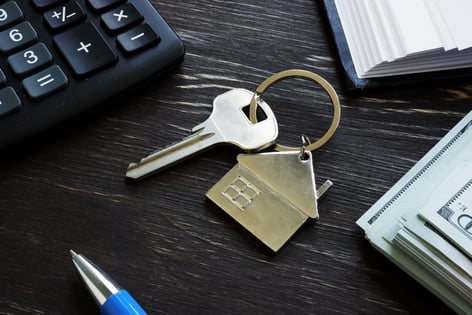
[121, 303]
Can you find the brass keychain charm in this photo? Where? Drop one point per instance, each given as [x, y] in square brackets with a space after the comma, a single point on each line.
[273, 194]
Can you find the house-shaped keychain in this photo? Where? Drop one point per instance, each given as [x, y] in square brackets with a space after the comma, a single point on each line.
[270, 194]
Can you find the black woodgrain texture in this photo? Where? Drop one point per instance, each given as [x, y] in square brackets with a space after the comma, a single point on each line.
[175, 251]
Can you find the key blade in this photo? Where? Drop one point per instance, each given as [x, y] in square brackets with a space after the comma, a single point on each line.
[170, 155]
[227, 124]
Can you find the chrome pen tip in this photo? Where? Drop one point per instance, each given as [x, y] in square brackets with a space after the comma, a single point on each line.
[72, 253]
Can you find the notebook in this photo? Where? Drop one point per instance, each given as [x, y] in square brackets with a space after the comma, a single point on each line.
[391, 42]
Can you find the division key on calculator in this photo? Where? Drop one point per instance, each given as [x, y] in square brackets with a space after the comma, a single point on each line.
[61, 58]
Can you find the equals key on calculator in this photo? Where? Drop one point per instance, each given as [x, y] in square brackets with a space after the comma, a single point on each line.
[227, 124]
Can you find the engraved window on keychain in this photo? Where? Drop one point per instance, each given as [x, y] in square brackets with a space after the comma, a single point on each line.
[273, 194]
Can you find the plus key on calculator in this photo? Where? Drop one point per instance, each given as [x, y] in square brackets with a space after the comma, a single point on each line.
[61, 58]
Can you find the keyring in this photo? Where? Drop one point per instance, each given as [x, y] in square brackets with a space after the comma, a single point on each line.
[305, 142]
[303, 74]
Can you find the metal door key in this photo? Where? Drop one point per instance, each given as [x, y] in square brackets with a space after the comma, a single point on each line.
[227, 124]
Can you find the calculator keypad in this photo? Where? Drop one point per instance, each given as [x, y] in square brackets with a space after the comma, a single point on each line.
[63, 49]
[82, 46]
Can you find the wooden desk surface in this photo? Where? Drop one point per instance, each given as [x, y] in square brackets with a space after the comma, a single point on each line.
[162, 239]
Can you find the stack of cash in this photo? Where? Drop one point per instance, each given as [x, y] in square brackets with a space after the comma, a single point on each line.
[424, 222]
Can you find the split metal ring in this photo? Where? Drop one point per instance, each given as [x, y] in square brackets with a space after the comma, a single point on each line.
[305, 142]
[307, 75]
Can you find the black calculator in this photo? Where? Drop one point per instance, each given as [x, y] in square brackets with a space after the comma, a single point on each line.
[61, 58]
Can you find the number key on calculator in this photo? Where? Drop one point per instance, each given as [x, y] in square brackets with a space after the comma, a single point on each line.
[61, 58]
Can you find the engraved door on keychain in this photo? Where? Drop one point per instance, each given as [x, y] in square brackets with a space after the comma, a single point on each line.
[273, 194]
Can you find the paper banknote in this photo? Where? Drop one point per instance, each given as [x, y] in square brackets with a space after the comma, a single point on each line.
[451, 214]
[436, 254]
[433, 247]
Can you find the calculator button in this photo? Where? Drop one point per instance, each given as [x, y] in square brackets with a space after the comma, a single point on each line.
[64, 15]
[30, 59]
[121, 17]
[10, 14]
[138, 38]
[17, 36]
[45, 82]
[103, 4]
[84, 49]
[41, 4]
[9, 101]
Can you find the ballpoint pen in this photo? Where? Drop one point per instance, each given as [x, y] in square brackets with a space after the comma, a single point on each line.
[111, 298]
